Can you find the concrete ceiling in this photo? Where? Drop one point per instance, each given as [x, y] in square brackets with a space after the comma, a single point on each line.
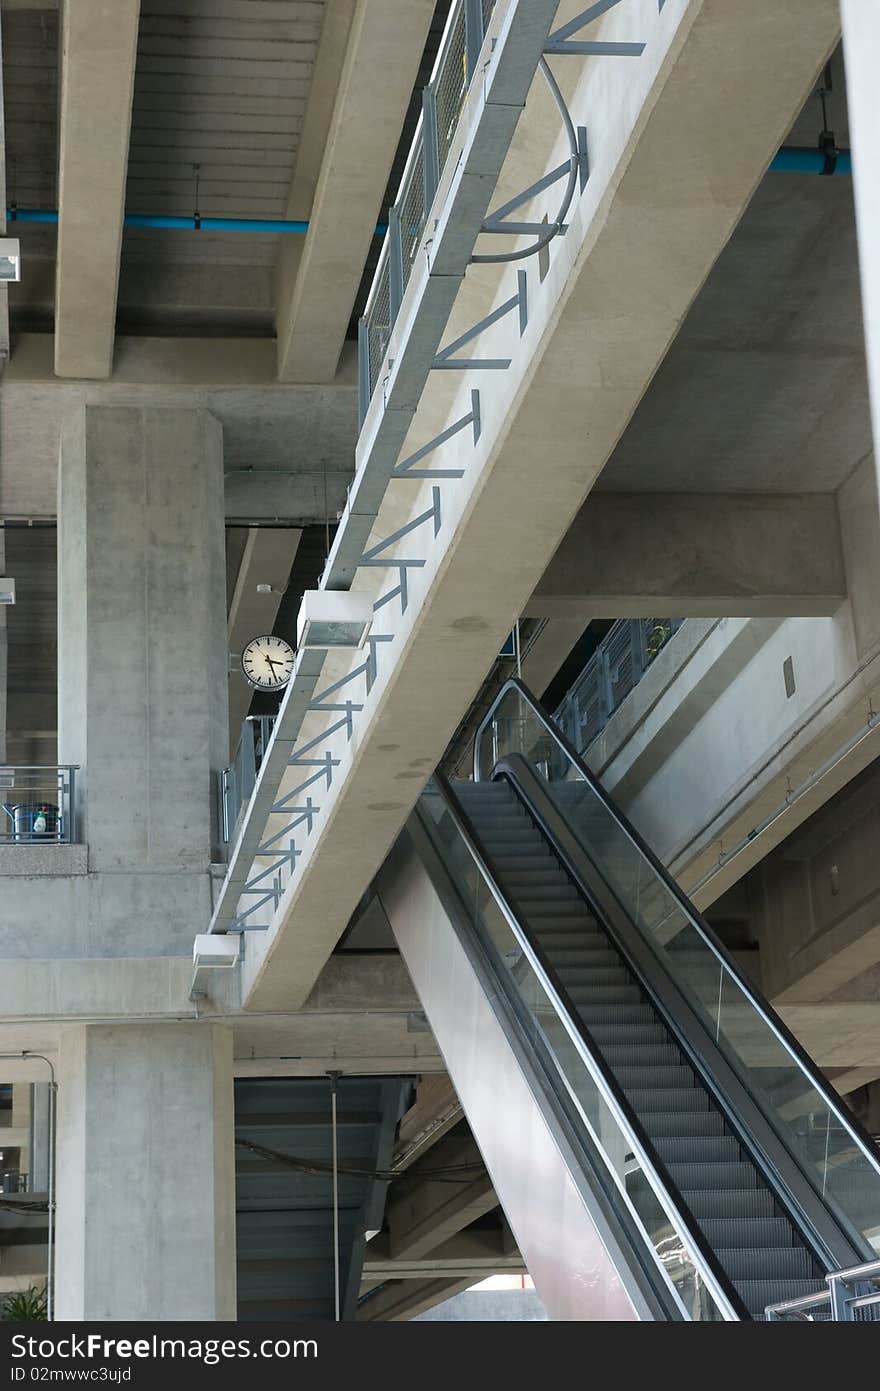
[764, 390]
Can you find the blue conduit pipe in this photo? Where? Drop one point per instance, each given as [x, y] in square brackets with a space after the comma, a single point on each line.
[184, 224]
[791, 159]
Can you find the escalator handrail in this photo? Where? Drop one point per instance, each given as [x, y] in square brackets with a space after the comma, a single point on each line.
[705, 1261]
[761, 1006]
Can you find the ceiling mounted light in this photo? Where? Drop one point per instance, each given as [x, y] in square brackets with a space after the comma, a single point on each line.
[10, 258]
[7, 591]
[333, 618]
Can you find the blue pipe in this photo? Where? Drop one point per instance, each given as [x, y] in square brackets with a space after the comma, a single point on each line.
[186, 224]
[792, 160]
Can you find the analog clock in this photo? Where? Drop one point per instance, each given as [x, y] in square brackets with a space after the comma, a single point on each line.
[267, 662]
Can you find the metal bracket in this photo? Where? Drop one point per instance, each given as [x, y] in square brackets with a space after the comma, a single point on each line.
[406, 470]
[498, 221]
[445, 361]
[561, 41]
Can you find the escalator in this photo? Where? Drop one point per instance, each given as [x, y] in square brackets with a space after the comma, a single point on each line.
[660, 1143]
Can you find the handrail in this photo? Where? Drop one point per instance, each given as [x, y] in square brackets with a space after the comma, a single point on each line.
[702, 1255]
[761, 1007]
[838, 1304]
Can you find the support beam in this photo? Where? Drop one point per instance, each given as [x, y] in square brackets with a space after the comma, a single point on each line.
[477, 1254]
[98, 51]
[548, 650]
[405, 1299]
[422, 1216]
[435, 1111]
[268, 555]
[385, 45]
[696, 556]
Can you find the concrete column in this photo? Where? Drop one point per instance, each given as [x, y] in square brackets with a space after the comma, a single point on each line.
[146, 1173]
[861, 44]
[142, 684]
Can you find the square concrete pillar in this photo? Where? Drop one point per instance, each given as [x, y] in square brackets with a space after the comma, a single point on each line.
[142, 685]
[146, 1173]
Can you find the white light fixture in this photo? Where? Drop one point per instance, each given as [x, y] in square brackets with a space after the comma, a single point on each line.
[7, 591]
[333, 618]
[215, 950]
[10, 258]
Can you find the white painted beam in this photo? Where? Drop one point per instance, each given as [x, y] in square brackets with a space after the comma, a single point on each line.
[98, 50]
[385, 45]
[696, 556]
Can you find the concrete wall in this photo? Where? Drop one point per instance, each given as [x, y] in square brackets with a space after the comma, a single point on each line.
[711, 742]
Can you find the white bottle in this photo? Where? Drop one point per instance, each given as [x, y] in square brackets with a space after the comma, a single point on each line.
[40, 823]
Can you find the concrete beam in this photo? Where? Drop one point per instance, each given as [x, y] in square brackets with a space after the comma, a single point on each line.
[423, 1216]
[474, 1253]
[268, 555]
[599, 325]
[696, 556]
[404, 1300]
[98, 52]
[548, 650]
[385, 44]
[435, 1111]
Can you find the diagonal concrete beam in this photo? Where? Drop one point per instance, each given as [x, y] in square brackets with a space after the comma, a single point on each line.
[98, 51]
[696, 556]
[385, 44]
[404, 1299]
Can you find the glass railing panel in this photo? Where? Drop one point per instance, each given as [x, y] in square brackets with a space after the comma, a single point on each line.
[555, 1038]
[751, 1039]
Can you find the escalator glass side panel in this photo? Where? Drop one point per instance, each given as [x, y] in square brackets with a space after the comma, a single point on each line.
[550, 1032]
[746, 1031]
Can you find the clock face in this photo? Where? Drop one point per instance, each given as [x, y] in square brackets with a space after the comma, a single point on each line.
[267, 662]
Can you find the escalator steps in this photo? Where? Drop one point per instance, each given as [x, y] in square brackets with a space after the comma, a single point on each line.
[724, 1192]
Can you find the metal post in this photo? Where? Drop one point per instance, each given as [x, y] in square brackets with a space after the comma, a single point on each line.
[69, 812]
[473, 34]
[334, 1077]
[50, 1256]
[395, 266]
[248, 760]
[365, 389]
[430, 146]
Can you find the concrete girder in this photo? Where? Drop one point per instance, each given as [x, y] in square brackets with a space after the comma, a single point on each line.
[98, 52]
[696, 556]
[406, 1299]
[435, 1111]
[374, 91]
[424, 1215]
[599, 324]
[266, 478]
[474, 1253]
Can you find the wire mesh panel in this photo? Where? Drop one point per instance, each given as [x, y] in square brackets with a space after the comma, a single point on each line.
[412, 212]
[488, 7]
[450, 85]
[379, 322]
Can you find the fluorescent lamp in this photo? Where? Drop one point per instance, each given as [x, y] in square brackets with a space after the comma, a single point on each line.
[333, 618]
[10, 258]
[215, 949]
[7, 591]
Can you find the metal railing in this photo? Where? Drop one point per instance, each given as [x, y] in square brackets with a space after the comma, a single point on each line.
[237, 782]
[851, 1296]
[442, 102]
[38, 804]
[615, 668]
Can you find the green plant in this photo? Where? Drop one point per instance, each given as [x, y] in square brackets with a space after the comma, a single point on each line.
[657, 638]
[25, 1306]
